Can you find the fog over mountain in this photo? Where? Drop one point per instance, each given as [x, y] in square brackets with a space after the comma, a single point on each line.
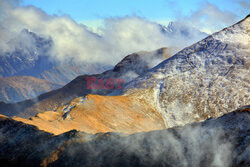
[71, 40]
[202, 81]
[58, 49]
[30, 57]
[127, 69]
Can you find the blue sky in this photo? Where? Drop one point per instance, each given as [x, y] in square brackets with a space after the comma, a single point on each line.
[92, 11]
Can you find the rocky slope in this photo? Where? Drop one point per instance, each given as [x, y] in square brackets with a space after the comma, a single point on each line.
[197, 82]
[129, 68]
[19, 88]
[221, 142]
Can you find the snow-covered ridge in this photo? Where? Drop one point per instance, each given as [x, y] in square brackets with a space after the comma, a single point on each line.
[238, 33]
[204, 80]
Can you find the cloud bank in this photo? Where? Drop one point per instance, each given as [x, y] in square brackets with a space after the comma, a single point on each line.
[71, 40]
[211, 18]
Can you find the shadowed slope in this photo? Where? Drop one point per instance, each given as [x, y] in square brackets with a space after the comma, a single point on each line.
[18, 88]
[214, 142]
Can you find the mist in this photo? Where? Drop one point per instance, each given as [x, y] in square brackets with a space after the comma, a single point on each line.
[214, 142]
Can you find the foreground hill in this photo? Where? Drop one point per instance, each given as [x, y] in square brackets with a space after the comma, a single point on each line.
[214, 142]
[18, 88]
[129, 68]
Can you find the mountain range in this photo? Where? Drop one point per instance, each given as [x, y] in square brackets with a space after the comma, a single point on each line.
[35, 64]
[36, 61]
[187, 109]
[199, 82]
[130, 67]
[33, 58]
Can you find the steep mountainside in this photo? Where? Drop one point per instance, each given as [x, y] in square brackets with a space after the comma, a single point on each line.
[129, 68]
[19, 88]
[209, 76]
[214, 142]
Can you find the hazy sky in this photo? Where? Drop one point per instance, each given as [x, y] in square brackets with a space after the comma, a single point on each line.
[93, 11]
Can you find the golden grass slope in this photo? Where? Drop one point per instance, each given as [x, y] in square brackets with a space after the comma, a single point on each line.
[95, 113]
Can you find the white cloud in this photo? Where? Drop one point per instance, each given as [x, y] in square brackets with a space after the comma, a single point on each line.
[209, 18]
[119, 36]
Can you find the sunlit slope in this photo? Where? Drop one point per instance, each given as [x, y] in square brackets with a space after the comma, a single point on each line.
[95, 113]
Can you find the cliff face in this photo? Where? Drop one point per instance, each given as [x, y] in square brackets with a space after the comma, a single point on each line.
[214, 142]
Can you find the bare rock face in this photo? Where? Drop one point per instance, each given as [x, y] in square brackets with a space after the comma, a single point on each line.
[221, 142]
[204, 80]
